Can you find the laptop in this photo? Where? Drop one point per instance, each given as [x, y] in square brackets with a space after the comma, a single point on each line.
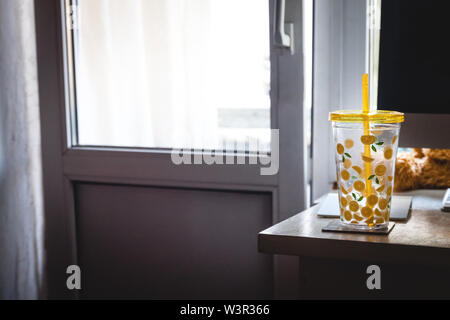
[400, 207]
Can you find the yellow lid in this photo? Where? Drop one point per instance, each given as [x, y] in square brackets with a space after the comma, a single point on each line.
[355, 116]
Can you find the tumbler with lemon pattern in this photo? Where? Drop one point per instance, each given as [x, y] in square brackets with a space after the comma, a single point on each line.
[365, 148]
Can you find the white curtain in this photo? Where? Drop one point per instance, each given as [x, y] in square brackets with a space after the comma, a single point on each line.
[137, 54]
[21, 201]
[155, 73]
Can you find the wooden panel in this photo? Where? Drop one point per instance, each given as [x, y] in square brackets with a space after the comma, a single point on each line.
[143, 242]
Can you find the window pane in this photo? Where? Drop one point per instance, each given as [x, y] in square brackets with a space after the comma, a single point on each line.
[172, 73]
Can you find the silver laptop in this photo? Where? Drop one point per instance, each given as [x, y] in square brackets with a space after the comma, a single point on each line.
[401, 205]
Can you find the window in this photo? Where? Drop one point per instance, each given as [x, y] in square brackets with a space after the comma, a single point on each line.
[170, 74]
[341, 56]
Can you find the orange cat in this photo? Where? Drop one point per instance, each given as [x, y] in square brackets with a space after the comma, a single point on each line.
[422, 169]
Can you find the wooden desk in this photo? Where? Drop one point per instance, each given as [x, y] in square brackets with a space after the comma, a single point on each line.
[414, 258]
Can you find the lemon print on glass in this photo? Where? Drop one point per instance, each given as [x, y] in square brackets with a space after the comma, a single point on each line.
[382, 204]
[369, 221]
[358, 169]
[380, 170]
[340, 149]
[366, 212]
[388, 153]
[372, 200]
[377, 132]
[359, 185]
[345, 175]
[354, 206]
[389, 190]
[368, 140]
[367, 159]
[347, 163]
[348, 215]
[394, 139]
[349, 143]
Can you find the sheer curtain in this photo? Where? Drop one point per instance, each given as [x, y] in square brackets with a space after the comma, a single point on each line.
[142, 71]
[21, 207]
[154, 73]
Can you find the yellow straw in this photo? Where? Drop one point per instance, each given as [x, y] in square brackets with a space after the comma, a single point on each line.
[368, 170]
[365, 79]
